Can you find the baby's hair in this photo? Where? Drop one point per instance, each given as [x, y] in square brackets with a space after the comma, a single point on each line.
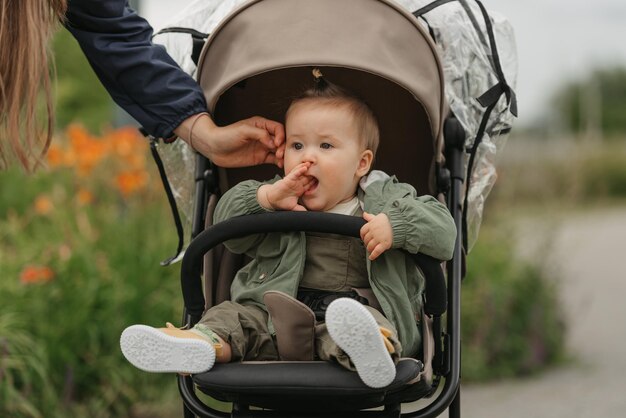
[330, 93]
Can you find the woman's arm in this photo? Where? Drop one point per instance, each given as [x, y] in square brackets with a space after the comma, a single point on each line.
[139, 75]
[144, 80]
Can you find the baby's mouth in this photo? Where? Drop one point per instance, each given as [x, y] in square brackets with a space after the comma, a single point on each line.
[314, 183]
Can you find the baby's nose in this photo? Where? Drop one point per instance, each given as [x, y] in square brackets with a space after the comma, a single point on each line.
[309, 157]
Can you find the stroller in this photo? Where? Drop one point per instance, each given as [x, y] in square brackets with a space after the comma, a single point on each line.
[258, 58]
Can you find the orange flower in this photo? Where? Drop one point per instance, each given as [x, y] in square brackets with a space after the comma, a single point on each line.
[36, 274]
[136, 161]
[84, 197]
[129, 146]
[43, 205]
[126, 141]
[129, 182]
[56, 156]
[87, 149]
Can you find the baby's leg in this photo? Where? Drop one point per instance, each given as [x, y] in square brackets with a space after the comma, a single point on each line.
[225, 333]
[244, 328]
[361, 338]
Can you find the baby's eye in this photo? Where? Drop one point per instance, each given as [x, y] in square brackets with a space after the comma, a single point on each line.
[297, 146]
[325, 145]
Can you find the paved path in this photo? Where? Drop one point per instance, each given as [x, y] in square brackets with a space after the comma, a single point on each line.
[589, 250]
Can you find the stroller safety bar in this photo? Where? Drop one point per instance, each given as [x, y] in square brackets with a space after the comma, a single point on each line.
[238, 227]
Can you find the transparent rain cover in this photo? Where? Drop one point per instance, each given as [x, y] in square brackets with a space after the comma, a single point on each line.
[466, 57]
[178, 158]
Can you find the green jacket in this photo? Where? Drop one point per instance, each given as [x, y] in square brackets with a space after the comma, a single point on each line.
[419, 223]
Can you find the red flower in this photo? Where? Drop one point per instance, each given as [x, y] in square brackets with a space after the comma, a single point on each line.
[36, 274]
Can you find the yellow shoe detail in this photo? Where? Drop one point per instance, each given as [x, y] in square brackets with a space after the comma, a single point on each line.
[388, 345]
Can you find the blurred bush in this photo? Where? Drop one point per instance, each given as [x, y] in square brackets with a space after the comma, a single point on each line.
[595, 101]
[79, 255]
[79, 94]
[603, 174]
[565, 172]
[511, 320]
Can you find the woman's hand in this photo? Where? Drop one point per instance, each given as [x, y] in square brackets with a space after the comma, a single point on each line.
[377, 234]
[284, 194]
[251, 141]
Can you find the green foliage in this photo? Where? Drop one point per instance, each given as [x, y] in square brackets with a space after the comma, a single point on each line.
[579, 173]
[79, 94]
[511, 324]
[607, 86]
[605, 175]
[22, 369]
[73, 277]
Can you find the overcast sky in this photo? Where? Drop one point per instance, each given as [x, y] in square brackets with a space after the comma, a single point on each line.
[557, 40]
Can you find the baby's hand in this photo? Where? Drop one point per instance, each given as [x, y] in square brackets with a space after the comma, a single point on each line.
[376, 234]
[284, 194]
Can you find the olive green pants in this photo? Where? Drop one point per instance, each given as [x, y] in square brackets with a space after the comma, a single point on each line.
[245, 328]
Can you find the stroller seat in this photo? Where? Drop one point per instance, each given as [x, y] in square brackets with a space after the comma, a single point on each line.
[301, 385]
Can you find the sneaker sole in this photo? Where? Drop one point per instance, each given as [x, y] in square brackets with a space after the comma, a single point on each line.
[153, 351]
[356, 332]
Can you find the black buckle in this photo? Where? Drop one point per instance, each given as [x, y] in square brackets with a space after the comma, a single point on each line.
[318, 300]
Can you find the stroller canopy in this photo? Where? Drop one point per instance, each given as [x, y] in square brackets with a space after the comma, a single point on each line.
[261, 56]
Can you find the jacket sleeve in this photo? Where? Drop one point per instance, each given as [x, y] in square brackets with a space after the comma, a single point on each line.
[422, 224]
[419, 223]
[240, 200]
[139, 75]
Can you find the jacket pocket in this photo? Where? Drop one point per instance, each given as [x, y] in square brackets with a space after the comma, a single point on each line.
[263, 271]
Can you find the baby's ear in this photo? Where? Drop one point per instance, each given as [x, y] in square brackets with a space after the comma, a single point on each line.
[365, 162]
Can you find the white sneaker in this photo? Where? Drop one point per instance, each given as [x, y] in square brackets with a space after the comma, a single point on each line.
[152, 350]
[356, 332]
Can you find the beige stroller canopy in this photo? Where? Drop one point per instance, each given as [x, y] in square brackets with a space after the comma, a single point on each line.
[262, 55]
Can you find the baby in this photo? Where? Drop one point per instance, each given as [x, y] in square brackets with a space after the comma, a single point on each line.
[331, 140]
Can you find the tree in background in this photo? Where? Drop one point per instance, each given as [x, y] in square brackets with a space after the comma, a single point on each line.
[80, 96]
[594, 106]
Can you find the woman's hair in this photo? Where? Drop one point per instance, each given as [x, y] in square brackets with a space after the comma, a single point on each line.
[364, 118]
[26, 27]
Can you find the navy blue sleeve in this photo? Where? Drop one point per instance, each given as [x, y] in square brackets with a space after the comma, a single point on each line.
[139, 75]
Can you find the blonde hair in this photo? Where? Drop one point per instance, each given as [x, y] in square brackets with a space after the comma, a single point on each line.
[26, 27]
[332, 94]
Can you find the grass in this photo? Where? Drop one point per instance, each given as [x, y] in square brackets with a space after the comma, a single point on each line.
[511, 321]
[75, 272]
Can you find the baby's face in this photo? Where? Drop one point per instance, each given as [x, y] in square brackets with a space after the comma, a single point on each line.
[325, 136]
